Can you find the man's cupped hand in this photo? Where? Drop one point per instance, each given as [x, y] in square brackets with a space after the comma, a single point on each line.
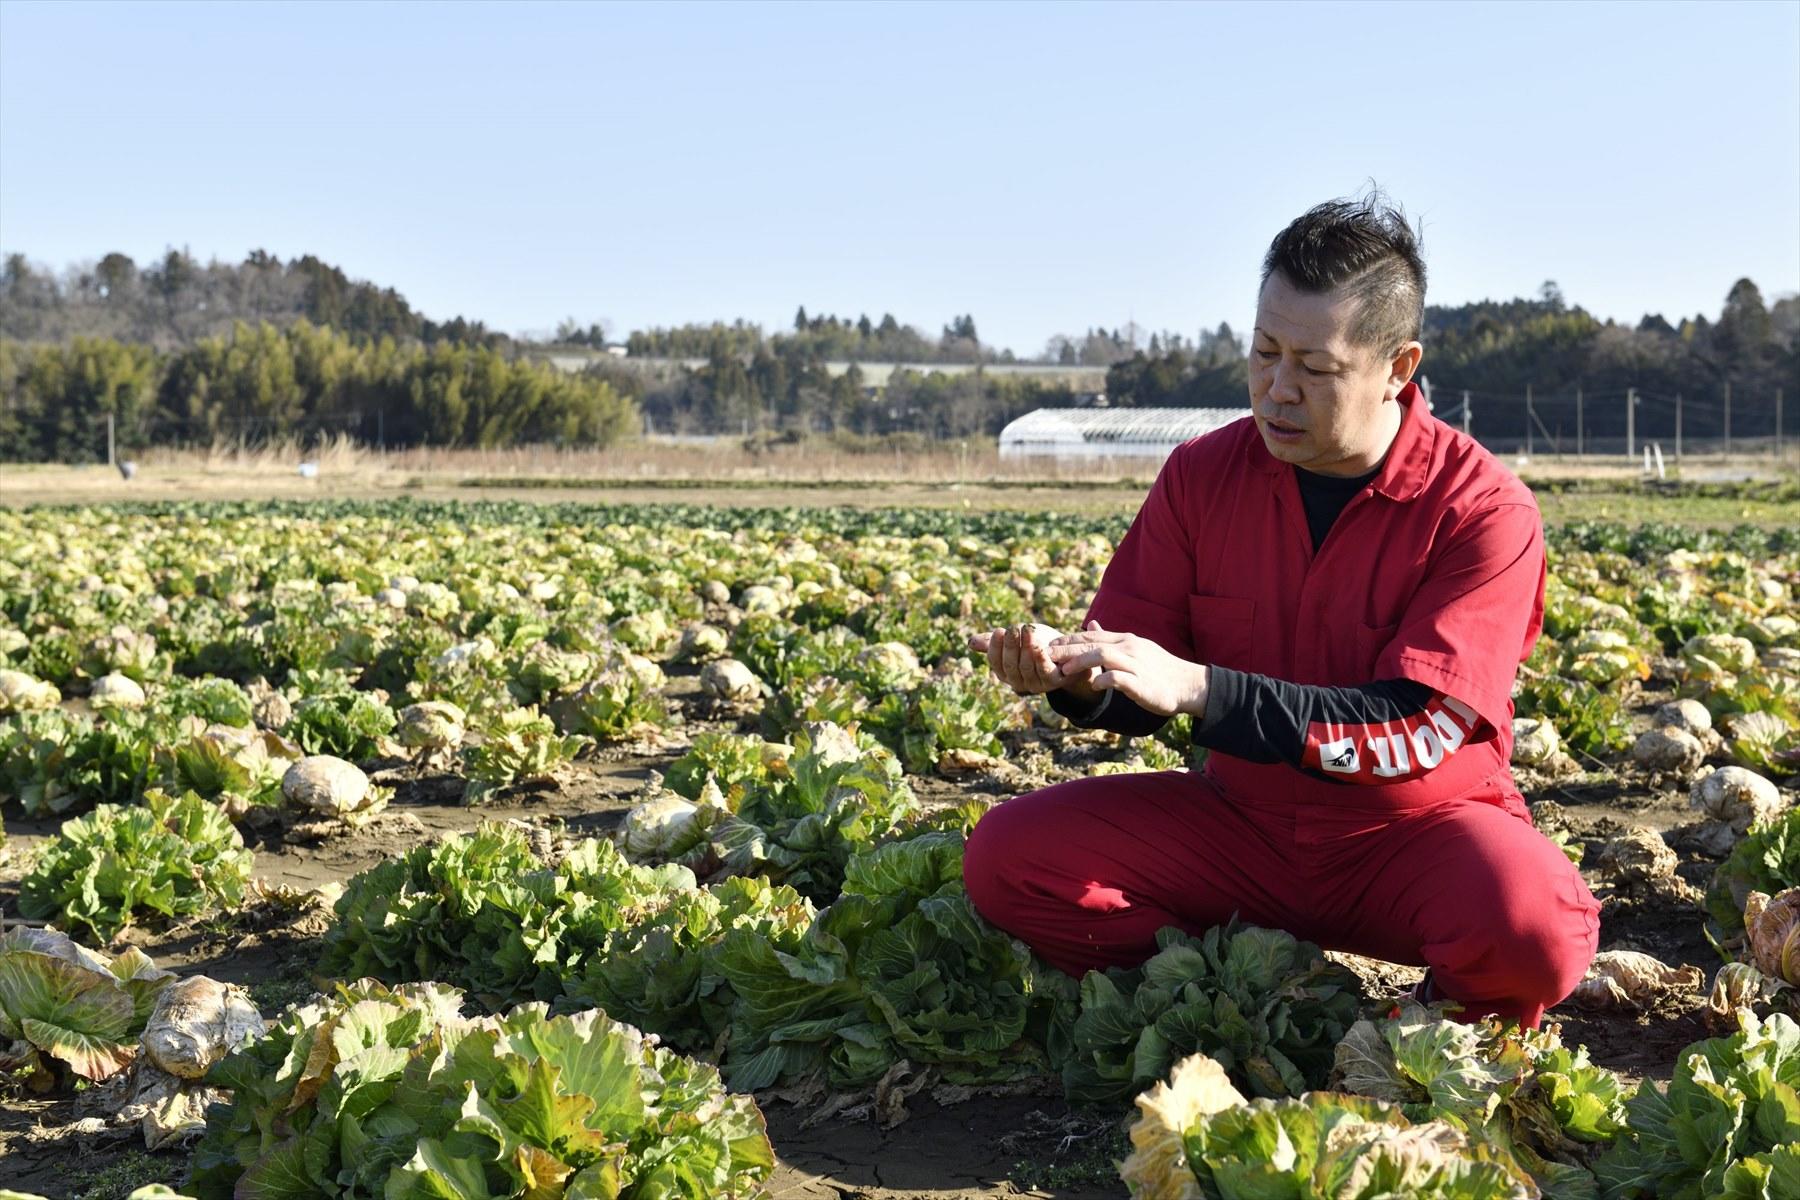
[1032, 659]
[1160, 682]
[1020, 658]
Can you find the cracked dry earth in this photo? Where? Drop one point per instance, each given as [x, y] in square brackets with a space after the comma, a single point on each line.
[949, 1145]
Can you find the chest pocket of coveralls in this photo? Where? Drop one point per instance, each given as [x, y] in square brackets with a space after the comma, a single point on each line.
[1220, 627]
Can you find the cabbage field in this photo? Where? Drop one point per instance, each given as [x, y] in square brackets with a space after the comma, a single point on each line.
[416, 849]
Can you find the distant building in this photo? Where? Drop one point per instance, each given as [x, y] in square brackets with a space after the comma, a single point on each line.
[1085, 433]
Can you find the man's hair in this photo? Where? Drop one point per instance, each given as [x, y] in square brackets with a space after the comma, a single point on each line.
[1363, 249]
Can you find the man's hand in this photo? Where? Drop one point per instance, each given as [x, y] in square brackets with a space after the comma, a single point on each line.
[1020, 658]
[1159, 681]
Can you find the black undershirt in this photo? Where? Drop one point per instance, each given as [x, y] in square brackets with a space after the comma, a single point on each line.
[1325, 496]
[1255, 717]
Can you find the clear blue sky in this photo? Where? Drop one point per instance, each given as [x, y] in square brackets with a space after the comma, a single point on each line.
[1044, 167]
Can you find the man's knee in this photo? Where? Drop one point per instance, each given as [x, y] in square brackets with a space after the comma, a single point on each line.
[1528, 956]
[1548, 954]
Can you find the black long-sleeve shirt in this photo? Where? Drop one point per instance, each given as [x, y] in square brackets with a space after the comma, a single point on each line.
[1312, 727]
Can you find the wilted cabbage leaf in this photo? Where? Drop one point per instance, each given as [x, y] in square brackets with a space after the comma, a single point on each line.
[1772, 930]
[1523, 1095]
[1197, 1137]
[63, 1004]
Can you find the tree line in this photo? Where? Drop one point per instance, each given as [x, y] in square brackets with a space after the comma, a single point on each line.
[178, 350]
[263, 382]
[176, 300]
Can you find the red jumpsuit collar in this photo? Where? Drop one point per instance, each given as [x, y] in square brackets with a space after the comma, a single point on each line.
[1408, 460]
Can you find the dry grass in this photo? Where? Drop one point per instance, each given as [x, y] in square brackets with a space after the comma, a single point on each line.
[644, 471]
[807, 462]
[811, 462]
[337, 455]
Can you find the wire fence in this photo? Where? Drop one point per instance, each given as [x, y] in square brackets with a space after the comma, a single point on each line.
[1621, 421]
[1568, 423]
[90, 438]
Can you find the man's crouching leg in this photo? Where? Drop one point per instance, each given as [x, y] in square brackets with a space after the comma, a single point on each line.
[1497, 913]
[1086, 872]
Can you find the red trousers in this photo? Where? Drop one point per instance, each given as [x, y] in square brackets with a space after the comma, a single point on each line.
[1086, 872]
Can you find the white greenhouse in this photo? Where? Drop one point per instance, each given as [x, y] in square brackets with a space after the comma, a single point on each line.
[1109, 432]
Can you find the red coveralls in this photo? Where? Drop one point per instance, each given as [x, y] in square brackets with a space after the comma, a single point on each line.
[1435, 573]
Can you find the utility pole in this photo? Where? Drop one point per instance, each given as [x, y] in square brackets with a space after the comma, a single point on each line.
[1530, 416]
[1677, 426]
[1630, 422]
[1465, 412]
[1580, 438]
[1728, 418]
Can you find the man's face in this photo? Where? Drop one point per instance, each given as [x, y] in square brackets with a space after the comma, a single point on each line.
[1322, 402]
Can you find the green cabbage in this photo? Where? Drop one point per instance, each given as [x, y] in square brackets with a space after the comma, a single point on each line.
[480, 910]
[796, 814]
[1727, 1123]
[1267, 1006]
[173, 856]
[662, 972]
[901, 966]
[1766, 860]
[392, 1095]
[520, 745]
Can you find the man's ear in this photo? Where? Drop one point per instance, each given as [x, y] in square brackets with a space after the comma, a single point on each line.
[1400, 370]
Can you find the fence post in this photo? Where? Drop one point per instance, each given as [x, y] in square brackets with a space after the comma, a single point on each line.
[1677, 426]
[1630, 422]
[1728, 418]
[1580, 437]
[111, 457]
[1777, 424]
[1465, 411]
[1530, 418]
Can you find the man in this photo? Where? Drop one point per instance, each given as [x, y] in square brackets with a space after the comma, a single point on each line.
[1339, 589]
